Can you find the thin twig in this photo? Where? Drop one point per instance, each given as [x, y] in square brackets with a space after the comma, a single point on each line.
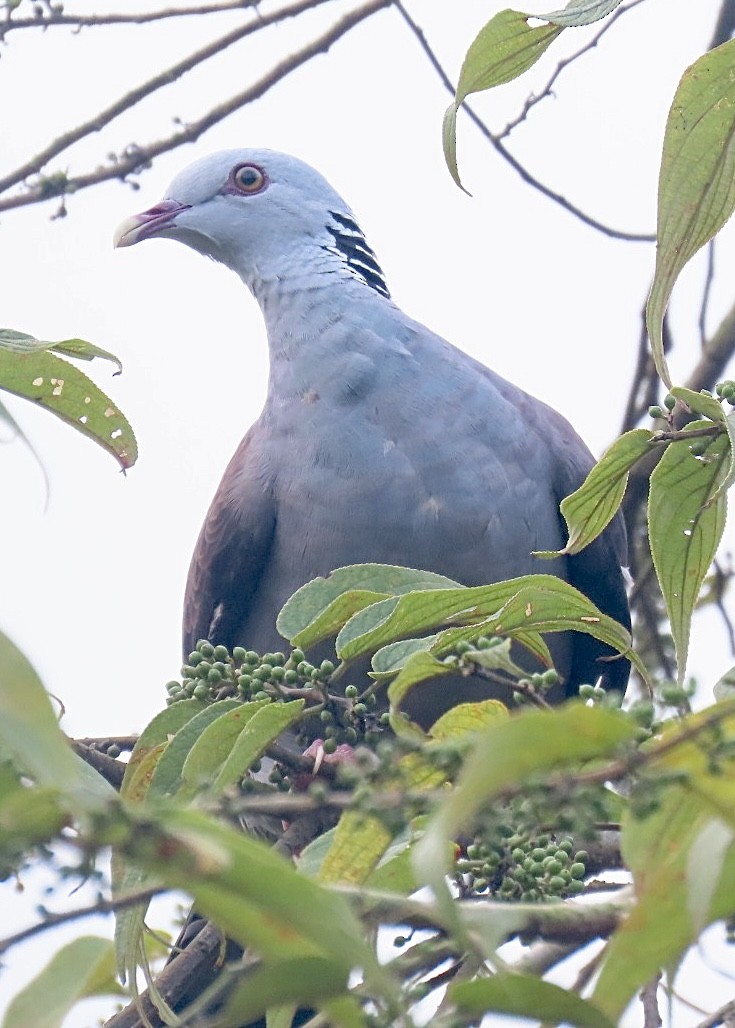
[55, 17]
[706, 291]
[124, 103]
[548, 88]
[723, 1016]
[143, 155]
[528, 178]
[649, 1002]
[101, 907]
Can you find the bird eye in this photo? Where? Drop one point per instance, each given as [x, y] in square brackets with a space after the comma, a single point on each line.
[248, 178]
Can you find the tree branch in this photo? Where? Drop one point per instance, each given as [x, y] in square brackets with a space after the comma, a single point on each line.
[53, 16]
[101, 907]
[142, 155]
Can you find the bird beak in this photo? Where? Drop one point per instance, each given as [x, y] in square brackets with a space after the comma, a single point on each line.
[149, 223]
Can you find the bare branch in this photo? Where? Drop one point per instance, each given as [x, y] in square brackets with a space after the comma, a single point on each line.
[140, 156]
[495, 142]
[52, 16]
[101, 907]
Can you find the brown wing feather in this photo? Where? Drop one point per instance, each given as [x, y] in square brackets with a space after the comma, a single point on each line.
[231, 551]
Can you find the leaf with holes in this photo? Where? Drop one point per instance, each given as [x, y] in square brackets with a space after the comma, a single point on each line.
[59, 387]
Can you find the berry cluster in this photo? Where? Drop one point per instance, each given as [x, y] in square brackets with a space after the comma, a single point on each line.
[214, 673]
[522, 867]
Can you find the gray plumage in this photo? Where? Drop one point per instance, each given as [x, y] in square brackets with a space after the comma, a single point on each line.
[378, 441]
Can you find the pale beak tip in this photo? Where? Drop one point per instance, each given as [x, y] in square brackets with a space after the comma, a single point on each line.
[126, 233]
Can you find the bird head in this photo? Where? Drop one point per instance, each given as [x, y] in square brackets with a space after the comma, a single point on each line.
[262, 213]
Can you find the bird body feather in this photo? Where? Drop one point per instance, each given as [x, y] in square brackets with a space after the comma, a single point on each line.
[379, 441]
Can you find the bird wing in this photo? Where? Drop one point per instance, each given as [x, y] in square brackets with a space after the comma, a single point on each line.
[232, 549]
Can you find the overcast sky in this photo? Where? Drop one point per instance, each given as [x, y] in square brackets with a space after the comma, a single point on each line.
[92, 585]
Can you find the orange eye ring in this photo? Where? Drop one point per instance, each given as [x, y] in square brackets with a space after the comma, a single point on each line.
[249, 179]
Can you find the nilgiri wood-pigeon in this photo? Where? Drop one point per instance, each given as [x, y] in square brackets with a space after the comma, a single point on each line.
[378, 441]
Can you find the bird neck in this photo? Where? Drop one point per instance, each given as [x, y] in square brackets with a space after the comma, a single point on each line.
[337, 253]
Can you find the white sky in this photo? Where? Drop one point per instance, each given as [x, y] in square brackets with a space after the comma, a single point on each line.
[92, 586]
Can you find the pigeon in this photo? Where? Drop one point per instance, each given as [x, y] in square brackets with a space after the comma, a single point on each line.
[378, 442]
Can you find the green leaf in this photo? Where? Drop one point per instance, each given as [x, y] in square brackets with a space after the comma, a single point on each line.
[262, 729]
[357, 846]
[57, 386]
[421, 667]
[581, 12]
[395, 871]
[21, 342]
[683, 862]
[154, 737]
[253, 894]
[305, 980]
[696, 192]
[686, 518]
[213, 746]
[167, 777]
[318, 609]
[505, 48]
[84, 967]
[700, 403]
[29, 815]
[502, 50]
[593, 506]
[81, 350]
[525, 996]
[30, 733]
[520, 608]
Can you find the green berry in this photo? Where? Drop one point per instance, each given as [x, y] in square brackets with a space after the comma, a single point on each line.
[669, 401]
[205, 648]
[655, 411]
[201, 691]
[578, 870]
